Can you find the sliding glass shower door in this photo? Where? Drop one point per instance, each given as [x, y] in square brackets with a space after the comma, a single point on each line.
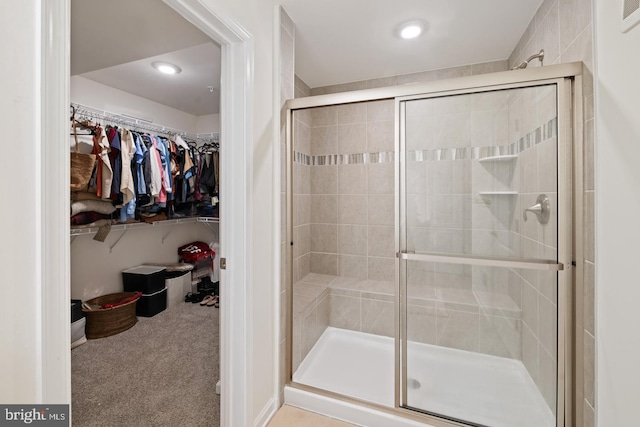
[483, 229]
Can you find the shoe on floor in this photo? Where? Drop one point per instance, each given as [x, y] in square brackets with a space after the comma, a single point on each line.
[212, 301]
[205, 300]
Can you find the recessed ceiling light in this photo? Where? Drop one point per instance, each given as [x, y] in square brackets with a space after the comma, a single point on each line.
[166, 68]
[411, 29]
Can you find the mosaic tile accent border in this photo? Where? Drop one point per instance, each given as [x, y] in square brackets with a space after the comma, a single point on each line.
[530, 140]
[344, 159]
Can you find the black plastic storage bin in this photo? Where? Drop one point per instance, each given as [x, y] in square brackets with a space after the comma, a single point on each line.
[147, 279]
[151, 304]
[76, 310]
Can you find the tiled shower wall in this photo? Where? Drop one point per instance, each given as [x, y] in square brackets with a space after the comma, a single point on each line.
[287, 76]
[533, 120]
[352, 202]
[564, 29]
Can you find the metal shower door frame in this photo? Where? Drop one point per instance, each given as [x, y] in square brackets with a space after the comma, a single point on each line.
[565, 258]
[568, 77]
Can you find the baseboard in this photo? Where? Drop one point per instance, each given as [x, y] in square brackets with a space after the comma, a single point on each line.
[267, 413]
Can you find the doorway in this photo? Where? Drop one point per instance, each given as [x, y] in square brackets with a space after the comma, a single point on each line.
[237, 53]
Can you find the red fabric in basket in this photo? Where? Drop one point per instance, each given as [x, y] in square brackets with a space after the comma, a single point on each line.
[195, 252]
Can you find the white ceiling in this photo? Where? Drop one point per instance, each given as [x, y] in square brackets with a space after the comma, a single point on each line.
[115, 42]
[339, 41]
[187, 91]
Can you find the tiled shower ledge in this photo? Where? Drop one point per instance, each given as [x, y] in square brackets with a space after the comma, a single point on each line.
[313, 287]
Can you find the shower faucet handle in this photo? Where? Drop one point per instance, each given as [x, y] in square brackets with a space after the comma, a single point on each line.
[540, 209]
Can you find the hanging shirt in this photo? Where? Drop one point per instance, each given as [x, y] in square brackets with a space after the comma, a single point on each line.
[116, 163]
[106, 172]
[141, 187]
[155, 169]
[127, 152]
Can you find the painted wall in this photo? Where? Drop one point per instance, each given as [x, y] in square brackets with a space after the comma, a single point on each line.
[257, 18]
[20, 257]
[617, 206]
[20, 106]
[208, 124]
[97, 95]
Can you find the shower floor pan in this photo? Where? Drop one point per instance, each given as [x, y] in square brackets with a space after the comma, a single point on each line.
[478, 388]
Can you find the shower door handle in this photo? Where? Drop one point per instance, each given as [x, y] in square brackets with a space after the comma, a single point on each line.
[540, 209]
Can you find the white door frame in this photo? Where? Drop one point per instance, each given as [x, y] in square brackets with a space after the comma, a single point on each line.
[236, 123]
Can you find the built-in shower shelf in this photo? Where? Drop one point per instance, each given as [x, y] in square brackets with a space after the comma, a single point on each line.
[505, 158]
[498, 193]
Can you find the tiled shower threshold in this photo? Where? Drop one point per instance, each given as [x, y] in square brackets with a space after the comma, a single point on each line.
[484, 389]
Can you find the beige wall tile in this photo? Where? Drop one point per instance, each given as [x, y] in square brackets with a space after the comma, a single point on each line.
[547, 166]
[324, 209]
[421, 324]
[491, 340]
[301, 138]
[575, 16]
[352, 209]
[324, 263]
[352, 179]
[352, 266]
[381, 268]
[458, 330]
[324, 179]
[381, 241]
[302, 86]
[352, 138]
[589, 226]
[451, 73]
[286, 56]
[589, 159]
[380, 136]
[547, 378]
[380, 178]
[381, 110]
[420, 275]
[452, 211]
[324, 116]
[548, 30]
[421, 239]
[423, 76]
[304, 265]
[489, 67]
[352, 113]
[589, 368]
[530, 352]
[382, 82]
[530, 308]
[324, 140]
[589, 415]
[302, 209]
[344, 312]
[378, 317]
[324, 238]
[352, 239]
[548, 325]
[301, 240]
[381, 209]
[589, 297]
[286, 22]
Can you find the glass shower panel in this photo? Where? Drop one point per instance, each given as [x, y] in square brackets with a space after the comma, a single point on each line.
[479, 239]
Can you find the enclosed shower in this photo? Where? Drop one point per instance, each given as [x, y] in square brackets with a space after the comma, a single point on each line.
[431, 260]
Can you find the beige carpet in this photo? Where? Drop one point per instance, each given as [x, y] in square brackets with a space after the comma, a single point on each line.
[289, 416]
[161, 372]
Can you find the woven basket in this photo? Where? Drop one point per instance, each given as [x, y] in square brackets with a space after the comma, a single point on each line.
[106, 322]
[81, 166]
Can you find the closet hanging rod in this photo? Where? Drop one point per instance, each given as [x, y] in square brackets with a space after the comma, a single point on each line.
[142, 124]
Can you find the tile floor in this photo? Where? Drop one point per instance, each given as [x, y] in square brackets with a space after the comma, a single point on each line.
[289, 416]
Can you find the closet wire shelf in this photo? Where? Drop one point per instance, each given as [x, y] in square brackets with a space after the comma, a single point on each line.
[143, 225]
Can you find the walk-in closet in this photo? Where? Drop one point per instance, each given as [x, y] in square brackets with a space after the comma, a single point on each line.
[144, 138]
